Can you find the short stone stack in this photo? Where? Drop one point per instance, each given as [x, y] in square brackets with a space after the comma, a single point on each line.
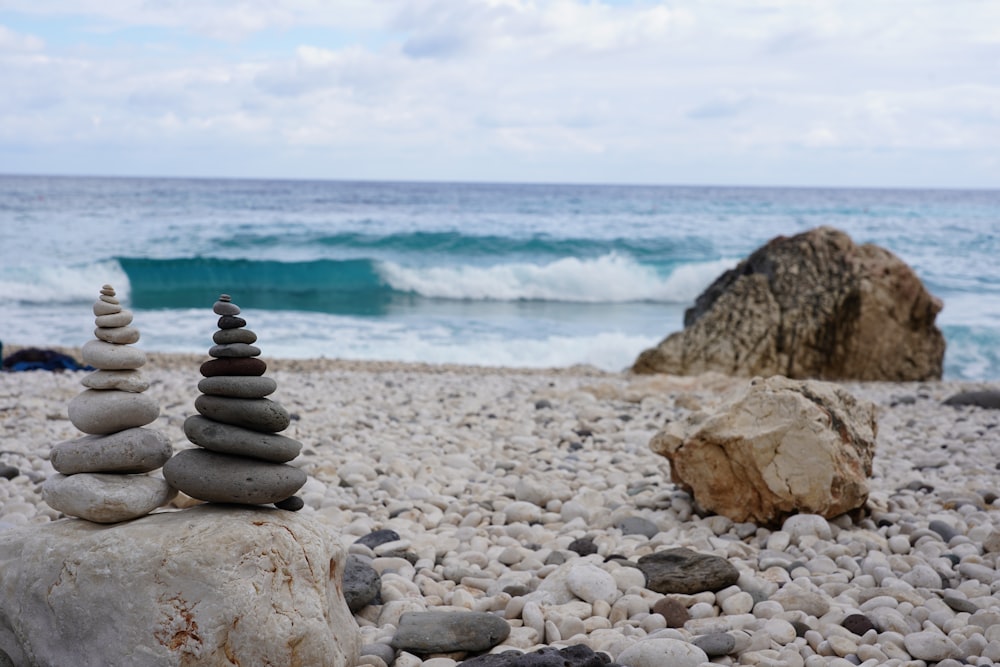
[102, 475]
[241, 458]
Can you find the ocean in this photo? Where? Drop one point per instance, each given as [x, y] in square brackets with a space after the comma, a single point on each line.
[485, 274]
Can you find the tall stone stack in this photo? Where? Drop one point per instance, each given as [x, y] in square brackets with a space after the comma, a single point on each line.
[102, 476]
[240, 456]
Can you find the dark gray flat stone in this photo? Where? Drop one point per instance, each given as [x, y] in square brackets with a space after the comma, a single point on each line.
[221, 478]
[362, 583]
[681, 570]
[238, 386]
[715, 644]
[227, 336]
[256, 414]
[233, 350]
[986, 398]
[448, 631]
[229, 439]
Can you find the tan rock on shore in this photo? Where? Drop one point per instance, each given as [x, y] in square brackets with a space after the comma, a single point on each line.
[814, 305]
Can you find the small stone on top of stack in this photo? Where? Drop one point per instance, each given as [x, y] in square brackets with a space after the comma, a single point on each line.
[240, 457]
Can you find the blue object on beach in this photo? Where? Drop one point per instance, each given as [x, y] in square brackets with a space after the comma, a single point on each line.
[35, 359]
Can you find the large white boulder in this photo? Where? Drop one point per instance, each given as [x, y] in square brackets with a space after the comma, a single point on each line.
[210, 585]
[782, 447]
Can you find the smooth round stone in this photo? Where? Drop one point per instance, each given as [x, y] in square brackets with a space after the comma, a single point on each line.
[225, 307]
[221, 478]
[658, 652]
[228, 439]
[715, 644]
[133, 450]
[107, 290]
[111, 357]
[590, 583]
[449, 631]
[231, 322]
[234, 350]
[293, 504]
[121, 319]
[229, 336]
[238, 386]
[256, 414]
[104, 498]
[245, 366]
[100, 412]
[930, 645]
[117, 335]
[109, 299]
[105, 308]
[127, 380]
[673, 611]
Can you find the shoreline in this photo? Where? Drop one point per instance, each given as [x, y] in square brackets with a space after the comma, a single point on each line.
[490, 483]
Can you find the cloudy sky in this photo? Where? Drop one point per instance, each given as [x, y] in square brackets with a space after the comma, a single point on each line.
[756, 92]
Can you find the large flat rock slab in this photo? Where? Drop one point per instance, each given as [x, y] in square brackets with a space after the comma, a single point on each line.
[205, 586]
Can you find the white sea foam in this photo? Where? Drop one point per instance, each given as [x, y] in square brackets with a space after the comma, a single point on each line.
[612, 278]
[61, 284]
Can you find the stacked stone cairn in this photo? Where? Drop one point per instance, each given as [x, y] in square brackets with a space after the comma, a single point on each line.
[240, 457]
[102, 476]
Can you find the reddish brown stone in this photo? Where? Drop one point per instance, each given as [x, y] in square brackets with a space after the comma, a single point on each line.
[673, 611]
[233, 366]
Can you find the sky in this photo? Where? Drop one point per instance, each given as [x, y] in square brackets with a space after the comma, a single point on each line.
[874, 93]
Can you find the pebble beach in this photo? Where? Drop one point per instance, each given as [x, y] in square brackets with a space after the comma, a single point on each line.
[531, 494]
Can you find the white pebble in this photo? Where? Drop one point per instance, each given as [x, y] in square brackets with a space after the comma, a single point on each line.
[932, 646]
[590, 583]
[659, 652]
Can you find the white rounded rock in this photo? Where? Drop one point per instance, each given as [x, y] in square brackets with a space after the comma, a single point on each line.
[112, 357]
[522, 511]
[117, 335]
[115, 320]
[930, 646]
[590, 583]
[99, 412]
[800, 525]
[123, 380]
[923, 576]
[659, 652]
[739, 603]
[106, 498]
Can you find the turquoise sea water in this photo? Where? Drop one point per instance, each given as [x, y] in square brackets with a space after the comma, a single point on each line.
[521, 275]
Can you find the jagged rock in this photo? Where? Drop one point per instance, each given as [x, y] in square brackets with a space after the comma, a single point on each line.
[204, 586]
[814, 305]
[781, 447]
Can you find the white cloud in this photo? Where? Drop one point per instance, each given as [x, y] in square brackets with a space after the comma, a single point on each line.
[504, 88]
[12, 42]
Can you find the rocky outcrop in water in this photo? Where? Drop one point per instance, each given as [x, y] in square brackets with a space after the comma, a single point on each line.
[814, 305]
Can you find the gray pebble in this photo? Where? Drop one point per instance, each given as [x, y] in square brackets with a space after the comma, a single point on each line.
[133, 450]
[233, 350]
[229, 336]
[715, 644]
[362, 584]
[383, 651]
[221, 478]
[943, 529]
[448, 631]
[102, 411]
[637, 525]
[257, 414]
[229, 439]
[238, 386]
[681, 570]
